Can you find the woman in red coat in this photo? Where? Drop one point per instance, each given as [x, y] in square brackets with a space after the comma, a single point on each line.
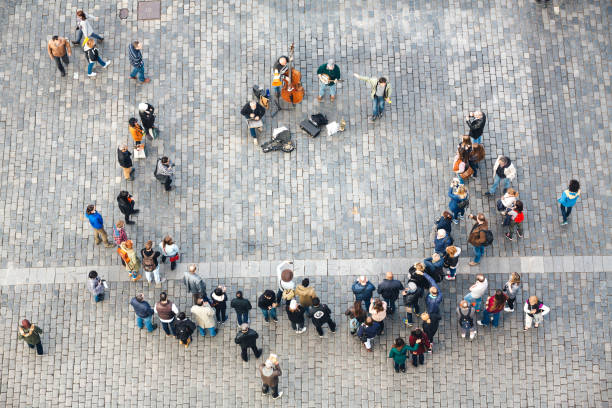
[418, 356]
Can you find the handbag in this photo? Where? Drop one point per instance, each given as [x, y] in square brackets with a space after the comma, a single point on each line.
[139, 153]
[174, 258]
[467, 173]
[464, 203]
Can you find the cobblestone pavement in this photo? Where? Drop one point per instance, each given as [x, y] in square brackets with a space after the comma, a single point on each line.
[96, 357]
[541, 74]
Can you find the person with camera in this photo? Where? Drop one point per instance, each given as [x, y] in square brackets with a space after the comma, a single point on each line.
[95, 285]
[459, 196]
[476, 122]
[164, 170]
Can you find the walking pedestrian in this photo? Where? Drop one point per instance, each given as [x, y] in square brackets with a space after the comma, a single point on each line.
[434, 298]
[59, 50]
[320, 314]
[363, 289]
[399, 354]
[184, 328]
[476, 122]
[30, 333]
[367, 332]
[418, 355]
[479, 237]
[459, 200]
[477, 290]
[119, 234]
[135, 56]
[535, 311]
[124, 157]
[378, 312]
[195, 283]
[451, 259]
[431, 322]
[356, 316]
[511, 289]
[434, 266]
[136, 131]
[305, 293]
[97, 223]
[495, 304]
[466, 314]
[507, 201]
[144, 312]
[568, 199]
[167, 311]
[150, 263]
[502, 170]
[219, 302]
[242, 307]
[390, 289]
[295, 313]
[171, 251]
[267, 304]
[380, 91]
[332, 72]
[147, 117]
[132, 263]
[84, 28]
[247, 338]
[514, 219]
[269, 372]
[412, 294]
[164, 170]
[204, 316]
[93, 55]
[286, 285]
[95, 286]
[126, 206]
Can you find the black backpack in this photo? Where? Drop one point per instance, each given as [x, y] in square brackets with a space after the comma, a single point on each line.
[488, 238]
[318, 119]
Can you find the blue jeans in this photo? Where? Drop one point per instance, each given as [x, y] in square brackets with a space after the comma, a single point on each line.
[565, 212]
[477, 302]
[269, 313]
[479, 140]
[168, 327]
[379, 105]
[242, 317]
[486, 317]
[253, 133]
[496, 181]
[452, 272]
[211, 331]
[277, 90]
[92, 35]
[458, 212]
[39, 349]
[399, 367]
[479, 252]
[91, 65]
[323, 88]
[390, 305]
[148, 321]
[99, 298]
[140, 72]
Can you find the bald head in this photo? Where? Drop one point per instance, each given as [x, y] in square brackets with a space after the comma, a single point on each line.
[389, 275]
[192, 268]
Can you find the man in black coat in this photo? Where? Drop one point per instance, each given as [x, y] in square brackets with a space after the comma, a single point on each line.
[476, 121]
[320, 314]
[247, 338]
[126, 206]
[124, 157]
[390, 289]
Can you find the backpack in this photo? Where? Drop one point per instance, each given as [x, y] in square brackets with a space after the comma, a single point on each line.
[465, 321]
[181, 331]
[463, 203]
[148, 264]
[288, 294]
[488, 238]
[353, 325]
[319, 119]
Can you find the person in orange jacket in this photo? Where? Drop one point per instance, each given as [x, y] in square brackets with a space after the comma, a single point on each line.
[136, 131]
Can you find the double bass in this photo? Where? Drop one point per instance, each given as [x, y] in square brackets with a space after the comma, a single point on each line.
[292, 91]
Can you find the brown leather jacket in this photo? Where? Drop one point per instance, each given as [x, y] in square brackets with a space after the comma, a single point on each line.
[477, 236]
[59, 50]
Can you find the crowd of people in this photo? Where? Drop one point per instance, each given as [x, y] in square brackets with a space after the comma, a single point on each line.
[421, 294]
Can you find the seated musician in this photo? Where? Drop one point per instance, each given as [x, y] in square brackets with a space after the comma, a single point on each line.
[328, 75]
[253, 111]
[280, 68]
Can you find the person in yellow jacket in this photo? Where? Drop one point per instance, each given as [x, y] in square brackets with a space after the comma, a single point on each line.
[132, 263]
[306, 293]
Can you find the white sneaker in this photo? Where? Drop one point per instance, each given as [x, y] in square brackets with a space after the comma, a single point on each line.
[507, 309]
[93, 74]
[255, 142]
[280, 394]
[463, 335]
[479, 323]
[472, 335]
[303, 330]
[107, 64]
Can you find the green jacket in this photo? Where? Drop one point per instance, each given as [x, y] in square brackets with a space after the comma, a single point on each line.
[373, 81]
[400, 356]
[32, 337]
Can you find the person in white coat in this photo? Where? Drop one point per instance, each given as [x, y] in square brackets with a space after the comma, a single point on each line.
[84, 28]
[477, 290]
[204, 316]
[284, 277]
[534, 312]
[502, 170]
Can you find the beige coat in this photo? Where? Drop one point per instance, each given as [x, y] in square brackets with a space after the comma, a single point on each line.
[204, 315]
[306, 295]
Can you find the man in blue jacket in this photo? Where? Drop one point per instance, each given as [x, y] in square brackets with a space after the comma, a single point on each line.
[434, 298]
[97, 223]
[144, 312]
[363, 289]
